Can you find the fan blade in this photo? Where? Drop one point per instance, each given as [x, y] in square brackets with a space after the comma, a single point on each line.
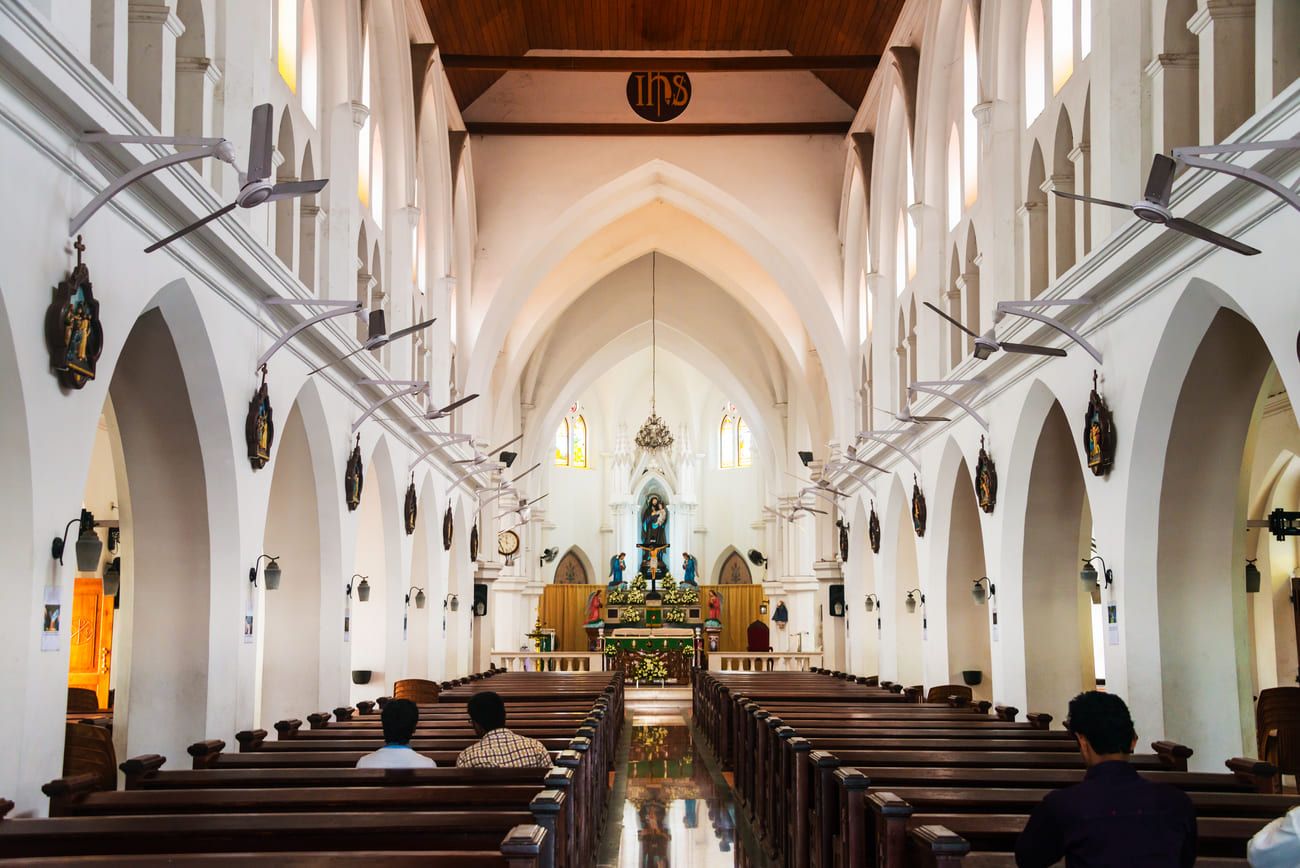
[1196, 230]
[259, 144]
[1107, 202]
[411, 329]
[220, 212]
[1160, 182]
[949, 319]
[1032, 349]
[469, 461]
[447, 411]
[535, 499]
[525, 473]
[359, 349]
[504, 445]
[289, 189]
[931, 419]
[800, 478]
[814, 509]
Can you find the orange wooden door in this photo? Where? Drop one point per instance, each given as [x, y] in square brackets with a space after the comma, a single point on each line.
[91, 638]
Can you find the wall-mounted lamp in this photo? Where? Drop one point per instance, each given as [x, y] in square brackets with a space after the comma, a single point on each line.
[980, 592]
[419, 598]
[271, 573]
[1253, 578]
[363, 588]
[805, 457]
[762, 607]
[113, 577]
[873, 602]
[451, 602]
[1088, 575]
[913, 597]
[88, 546]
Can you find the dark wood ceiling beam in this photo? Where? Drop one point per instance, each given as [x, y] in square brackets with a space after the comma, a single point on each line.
[804, 128]
[658, 63]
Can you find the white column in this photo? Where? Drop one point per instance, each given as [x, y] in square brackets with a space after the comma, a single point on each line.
[1060, 223]
[484, 626]
[108, 35]
[1033, 234]
[829, 572]
[1174, 88]
[1081, 156]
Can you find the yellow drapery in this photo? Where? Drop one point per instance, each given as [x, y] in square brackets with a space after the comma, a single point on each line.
[564, 608]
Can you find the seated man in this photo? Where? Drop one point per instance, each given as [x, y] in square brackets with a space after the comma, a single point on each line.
[1115, 816]
[497, 746]
[1277, 845]
[399, 719]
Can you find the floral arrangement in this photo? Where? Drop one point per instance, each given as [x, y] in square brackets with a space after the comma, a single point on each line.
[685, 595]
[632, 594]
[632, 615]
[649, 667]
[674, 615]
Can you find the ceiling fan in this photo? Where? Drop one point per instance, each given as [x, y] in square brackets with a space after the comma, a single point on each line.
[525, 509]
[441, 412]
[1153, 207]
[907, 417]
[507, 486]
[986, 345]
[482, 457]
[377, 336]
[256, 186]
[820, 485]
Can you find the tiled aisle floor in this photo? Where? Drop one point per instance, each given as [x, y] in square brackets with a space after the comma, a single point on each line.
[670, 806]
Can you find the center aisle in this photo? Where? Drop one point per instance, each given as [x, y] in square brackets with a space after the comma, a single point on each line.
[670, 805]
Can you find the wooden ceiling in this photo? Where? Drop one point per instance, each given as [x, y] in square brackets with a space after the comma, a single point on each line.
[803, 27]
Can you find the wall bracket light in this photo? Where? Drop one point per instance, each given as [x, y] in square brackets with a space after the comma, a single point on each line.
[419, 597]
[451, 602]
[913, 597]
[88, 545]
[983, 589]
[362, 587]
[1089, 576]
[271, 573]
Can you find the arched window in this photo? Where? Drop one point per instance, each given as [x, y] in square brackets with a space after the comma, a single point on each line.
[571, 440]
[363, 140]
[900, 255]
[1035, 63]
[309, 92]
[970, 95]
[286, 42]
[1085, 28]
[955, 198]
[1062, 42]
[735, 445]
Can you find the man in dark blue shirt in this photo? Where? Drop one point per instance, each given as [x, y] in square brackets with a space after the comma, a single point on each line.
[1114, 817]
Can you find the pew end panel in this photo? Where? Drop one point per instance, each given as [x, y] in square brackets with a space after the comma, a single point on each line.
[1172, 754]
[206, 753]
[889, 816]
[139, 767]
[935, 846]
[284, 729]
[343, 712]
[319, 719]
[251, 739]
[1263, 777]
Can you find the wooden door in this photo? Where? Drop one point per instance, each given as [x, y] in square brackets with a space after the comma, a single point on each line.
[91, 639]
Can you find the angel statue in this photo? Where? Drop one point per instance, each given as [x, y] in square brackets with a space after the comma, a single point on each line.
[689, 569]
[715, 607]
[593, 607]
[617, 565]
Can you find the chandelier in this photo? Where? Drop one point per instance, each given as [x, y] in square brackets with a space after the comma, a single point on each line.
[654, 434]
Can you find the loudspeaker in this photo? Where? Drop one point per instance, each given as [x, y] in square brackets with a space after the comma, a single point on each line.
[480, 599]
[836, 601]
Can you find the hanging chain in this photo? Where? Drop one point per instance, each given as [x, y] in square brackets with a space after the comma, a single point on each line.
[654, 340]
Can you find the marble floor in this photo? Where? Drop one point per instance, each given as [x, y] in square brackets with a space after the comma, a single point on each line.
[671, 805]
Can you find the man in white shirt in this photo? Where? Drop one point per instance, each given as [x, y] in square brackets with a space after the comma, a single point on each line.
[399, 718]
[1277, 845]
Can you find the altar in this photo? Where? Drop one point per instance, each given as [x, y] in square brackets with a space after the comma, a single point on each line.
[665, 655]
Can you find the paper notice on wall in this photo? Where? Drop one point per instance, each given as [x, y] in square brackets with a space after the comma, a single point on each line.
[1112, 624]
[51, 620]
[248, 620]
[993, 629]
[347, 622]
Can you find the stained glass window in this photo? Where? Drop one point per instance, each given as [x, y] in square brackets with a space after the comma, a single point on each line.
[571, 441]
[735, 445]
[562, 444]
[287, 42]
[727, 442]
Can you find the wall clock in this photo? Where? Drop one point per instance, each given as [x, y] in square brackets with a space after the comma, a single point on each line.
[508, 543]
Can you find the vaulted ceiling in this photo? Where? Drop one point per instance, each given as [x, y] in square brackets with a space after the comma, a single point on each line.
[805, 28]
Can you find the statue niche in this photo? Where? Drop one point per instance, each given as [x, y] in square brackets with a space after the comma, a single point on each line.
[654, 536]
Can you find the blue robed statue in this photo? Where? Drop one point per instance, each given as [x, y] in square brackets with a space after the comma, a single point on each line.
[654, 535]
[617, 565]
[690, 568]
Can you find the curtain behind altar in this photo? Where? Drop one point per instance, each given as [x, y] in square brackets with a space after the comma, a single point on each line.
[564, 608]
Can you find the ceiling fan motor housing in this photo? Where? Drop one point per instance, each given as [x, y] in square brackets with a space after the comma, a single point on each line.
[255, 193]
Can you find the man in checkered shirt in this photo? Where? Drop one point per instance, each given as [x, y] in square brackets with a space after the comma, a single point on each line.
[497, 746]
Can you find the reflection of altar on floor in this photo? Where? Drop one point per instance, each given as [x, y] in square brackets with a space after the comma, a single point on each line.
[626, 649]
